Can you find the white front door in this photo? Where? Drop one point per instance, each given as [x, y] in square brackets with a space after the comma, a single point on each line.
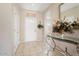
[30, 29]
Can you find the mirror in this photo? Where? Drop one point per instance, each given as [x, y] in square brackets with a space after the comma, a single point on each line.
[69, 12]
[69, 18]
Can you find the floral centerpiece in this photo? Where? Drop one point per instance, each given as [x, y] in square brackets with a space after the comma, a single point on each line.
[60, 27]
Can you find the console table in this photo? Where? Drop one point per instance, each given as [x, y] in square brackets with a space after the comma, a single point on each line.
[67, 47]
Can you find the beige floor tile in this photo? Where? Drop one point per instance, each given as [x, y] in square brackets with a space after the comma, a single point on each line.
[29, 49]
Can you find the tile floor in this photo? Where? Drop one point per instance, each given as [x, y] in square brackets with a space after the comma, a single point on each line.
[29, 49]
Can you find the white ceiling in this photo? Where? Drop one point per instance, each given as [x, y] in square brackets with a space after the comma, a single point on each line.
[34, 6]
[67, 6]
[43, 6]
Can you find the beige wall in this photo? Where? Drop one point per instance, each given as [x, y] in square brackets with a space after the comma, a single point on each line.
[71, 12]
[17, 15]
[53, 14]
[6, 29]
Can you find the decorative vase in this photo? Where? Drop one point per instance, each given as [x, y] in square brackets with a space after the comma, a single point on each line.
[62, 36]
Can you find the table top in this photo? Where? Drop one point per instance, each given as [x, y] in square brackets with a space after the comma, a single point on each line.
[65, 39]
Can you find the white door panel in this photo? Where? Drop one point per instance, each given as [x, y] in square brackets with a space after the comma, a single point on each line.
[30, 29]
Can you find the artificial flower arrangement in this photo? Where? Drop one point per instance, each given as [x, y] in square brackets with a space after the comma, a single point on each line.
[63, 26]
